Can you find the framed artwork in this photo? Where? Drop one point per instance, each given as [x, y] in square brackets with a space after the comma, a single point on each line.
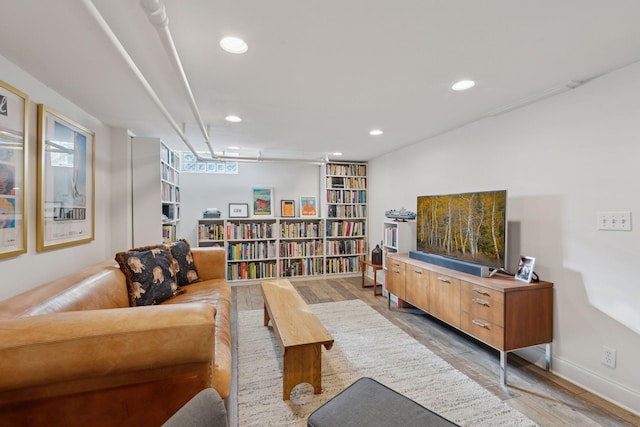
[14, 109]
[525, 268]
[262, 198]
[308, 206]
[66, 182]
[288, 208]
[238, 210]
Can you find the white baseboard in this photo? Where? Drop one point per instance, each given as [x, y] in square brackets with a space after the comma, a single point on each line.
[609, 390]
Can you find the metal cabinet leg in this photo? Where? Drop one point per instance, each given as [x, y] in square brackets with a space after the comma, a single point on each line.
[503, 368]
[547, 358]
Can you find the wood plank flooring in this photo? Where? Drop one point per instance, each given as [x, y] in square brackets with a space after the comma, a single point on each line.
[540, 395]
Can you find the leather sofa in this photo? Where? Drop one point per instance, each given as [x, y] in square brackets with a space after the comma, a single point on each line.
[73, 352]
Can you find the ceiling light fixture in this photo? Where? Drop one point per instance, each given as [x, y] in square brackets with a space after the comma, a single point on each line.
[337, 153]
[233, 118]
[463, 85]
[375, 132]
[234, 45]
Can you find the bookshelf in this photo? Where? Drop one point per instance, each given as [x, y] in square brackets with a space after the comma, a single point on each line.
[301, 247]
[345, 211]
[211, 232]
[251, 249]
[156, 211]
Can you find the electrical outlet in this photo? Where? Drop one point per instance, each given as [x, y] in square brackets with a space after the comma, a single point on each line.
[608, 357]
[616, 221]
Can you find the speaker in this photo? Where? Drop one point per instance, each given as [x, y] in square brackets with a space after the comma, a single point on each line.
[454, 264]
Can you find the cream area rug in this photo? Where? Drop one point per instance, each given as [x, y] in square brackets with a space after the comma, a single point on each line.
[366, 345]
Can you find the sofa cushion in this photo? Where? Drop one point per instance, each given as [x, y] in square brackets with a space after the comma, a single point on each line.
[183, 266]
[150, 277]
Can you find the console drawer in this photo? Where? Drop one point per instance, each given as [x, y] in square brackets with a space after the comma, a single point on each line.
[483, 303]
[483, 330]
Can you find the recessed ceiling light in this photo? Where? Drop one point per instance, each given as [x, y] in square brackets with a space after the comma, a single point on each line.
[233, 45]
[337, 154]
[375, 132]
[463, 85]
[233, 118]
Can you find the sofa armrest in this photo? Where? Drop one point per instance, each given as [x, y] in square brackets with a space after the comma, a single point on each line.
[210, 262]
[56, 348]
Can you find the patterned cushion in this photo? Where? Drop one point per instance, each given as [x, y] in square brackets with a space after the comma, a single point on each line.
[183, 265]
[150, 278]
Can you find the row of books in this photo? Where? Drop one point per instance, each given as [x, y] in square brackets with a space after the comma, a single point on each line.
[346, 169]
[210, 231]
[346, 182]
[345, 228]
[169, 174]
[342, 265]
[346, 247]
[304, 267]
[346, 211]
[301, 249]
[170, 193]
[292, 230]
[346, 196]
[251, 251]
[251, 270]
[251, 230]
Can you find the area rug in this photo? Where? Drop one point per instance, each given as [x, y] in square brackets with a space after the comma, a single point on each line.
[366, 345]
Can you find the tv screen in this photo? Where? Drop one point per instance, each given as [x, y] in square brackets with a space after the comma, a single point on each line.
[467, 226]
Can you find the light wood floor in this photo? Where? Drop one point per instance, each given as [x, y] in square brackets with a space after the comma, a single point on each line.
[545, 398]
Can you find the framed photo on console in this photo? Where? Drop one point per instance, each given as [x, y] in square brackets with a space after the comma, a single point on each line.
[525, 268]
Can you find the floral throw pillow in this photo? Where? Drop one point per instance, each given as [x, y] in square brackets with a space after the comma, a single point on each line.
[150, 278]
[183, 265]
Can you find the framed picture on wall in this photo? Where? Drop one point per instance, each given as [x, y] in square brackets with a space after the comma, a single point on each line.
[525, 268]
[65, 182]
[262, 200]
[308, 206]
[14, 110]
[287, 208]
[238, 210]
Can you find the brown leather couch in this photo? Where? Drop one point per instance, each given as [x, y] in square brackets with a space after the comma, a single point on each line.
[72, 351]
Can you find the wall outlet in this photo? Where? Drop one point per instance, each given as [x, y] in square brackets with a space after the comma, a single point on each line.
[608, 357]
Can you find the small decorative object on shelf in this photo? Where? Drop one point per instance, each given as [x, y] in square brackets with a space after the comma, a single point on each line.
[401, 215]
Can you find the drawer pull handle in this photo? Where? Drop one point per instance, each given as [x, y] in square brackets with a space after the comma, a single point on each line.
[396, 271]
[444, 279]
[479, 301]
[481, 292]
[478, 323]
[417, 271]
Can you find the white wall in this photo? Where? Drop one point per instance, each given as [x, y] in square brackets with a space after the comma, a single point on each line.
[201, 191]
[561, 160]
[31, 269]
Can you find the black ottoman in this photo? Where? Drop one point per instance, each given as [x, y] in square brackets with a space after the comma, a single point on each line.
[366, 402]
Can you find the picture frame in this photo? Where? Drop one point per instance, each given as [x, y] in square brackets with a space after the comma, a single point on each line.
[238, 210]
[525, 269]
[66, 182]
[262, 201]
[308, 206]
[287, 208]
[14, 126]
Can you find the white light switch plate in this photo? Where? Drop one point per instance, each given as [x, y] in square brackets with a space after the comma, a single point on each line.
[615, 221]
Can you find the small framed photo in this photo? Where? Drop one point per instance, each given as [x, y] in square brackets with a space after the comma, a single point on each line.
[288, 208]
[525, 269]
[308, 206]
[238, 210]
[262, 198]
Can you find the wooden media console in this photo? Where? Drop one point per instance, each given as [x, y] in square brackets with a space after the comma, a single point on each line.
[502, 312]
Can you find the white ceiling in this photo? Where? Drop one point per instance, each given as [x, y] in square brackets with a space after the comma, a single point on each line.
[319, 74]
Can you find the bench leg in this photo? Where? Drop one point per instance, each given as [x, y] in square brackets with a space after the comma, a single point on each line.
[302, 364]
[266, 316]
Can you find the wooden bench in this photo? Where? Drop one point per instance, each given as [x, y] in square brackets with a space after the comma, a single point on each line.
[299, 332]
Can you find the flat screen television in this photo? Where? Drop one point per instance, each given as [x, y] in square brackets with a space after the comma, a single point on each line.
[468, 226]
